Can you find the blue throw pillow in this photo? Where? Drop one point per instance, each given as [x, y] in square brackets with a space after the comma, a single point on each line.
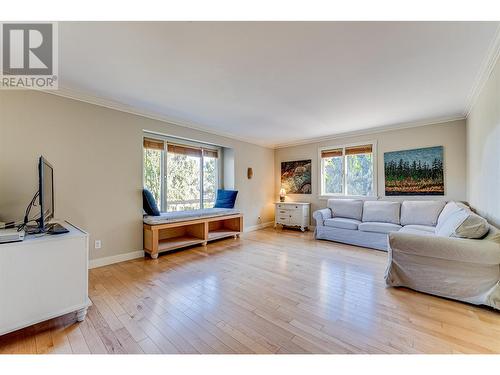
[225, 198]
[149, 203]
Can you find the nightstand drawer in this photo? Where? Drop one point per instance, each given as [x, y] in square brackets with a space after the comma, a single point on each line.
[282, 219]
[288, 206]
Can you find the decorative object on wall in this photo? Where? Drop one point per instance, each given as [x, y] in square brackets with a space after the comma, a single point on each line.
[414, 172]
[296, 176]
[282, 194]
[249, 173]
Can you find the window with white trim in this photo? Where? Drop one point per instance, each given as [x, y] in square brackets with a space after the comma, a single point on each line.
[347, 170]
[181, 176]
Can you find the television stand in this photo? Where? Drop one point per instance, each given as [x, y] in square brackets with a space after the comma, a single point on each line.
[44, 277]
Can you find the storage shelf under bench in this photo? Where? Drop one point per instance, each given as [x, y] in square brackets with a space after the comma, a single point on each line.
[172, 236]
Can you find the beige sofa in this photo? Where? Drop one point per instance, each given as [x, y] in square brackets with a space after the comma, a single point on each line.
[458, 268]
[433, 247]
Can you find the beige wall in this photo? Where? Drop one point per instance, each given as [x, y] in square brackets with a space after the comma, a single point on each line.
[97, 157]
[451, 135]
[483, 150]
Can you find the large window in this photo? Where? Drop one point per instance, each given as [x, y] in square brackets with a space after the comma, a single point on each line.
[181, 176]
[347, 170]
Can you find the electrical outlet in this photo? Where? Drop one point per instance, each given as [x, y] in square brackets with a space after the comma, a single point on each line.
[259, 220]
[97, 244]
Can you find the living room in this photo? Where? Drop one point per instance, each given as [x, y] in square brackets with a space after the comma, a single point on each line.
[254, 188]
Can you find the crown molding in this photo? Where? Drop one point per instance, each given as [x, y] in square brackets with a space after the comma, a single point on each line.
[378, 129]
[122, 107]
[484, 73]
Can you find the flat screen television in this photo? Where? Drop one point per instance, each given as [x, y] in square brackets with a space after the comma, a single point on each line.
[45, 193]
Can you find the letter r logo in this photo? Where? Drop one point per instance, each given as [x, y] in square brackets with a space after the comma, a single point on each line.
[27, 49]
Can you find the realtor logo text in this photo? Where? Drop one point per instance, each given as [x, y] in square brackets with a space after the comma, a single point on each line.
[29, 56]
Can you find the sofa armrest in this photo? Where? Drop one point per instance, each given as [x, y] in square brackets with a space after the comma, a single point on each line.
[456, 249]
[321, 215]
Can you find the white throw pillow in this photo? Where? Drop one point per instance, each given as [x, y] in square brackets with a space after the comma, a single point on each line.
[448, 210]
[447, 227]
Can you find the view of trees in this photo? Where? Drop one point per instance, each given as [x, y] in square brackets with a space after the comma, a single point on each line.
[332, 173]
[404, 177]
[152, 173]
[183, 180]
[359, 174]
[209, 181]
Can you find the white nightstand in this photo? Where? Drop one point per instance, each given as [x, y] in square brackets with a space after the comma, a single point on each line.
[293, 214]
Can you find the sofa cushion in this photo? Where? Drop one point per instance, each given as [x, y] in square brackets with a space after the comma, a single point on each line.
[421, 212]
[341, 222]
[381, 211]
[408, 229]
[425, 228]
[379, 227]
[348, 208]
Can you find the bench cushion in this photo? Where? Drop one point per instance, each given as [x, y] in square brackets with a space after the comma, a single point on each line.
[177, 216]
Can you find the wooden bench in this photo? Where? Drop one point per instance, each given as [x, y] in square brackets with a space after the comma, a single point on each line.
[159, 238]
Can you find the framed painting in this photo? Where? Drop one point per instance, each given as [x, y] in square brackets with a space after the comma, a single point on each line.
[296, 176]
[414, 172]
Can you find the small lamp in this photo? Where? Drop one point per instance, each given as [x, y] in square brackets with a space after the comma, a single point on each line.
[282, 194]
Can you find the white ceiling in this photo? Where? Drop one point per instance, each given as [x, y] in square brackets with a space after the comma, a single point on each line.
[278, 82]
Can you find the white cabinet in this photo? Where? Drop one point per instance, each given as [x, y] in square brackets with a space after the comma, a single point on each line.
[43, 277]
[292, 214]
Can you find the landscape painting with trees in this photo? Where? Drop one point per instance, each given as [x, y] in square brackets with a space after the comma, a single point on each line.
[414, 172]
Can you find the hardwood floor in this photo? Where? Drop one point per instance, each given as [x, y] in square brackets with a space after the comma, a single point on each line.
[271, 291]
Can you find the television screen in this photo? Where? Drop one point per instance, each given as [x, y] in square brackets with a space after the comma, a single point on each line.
[46, 191]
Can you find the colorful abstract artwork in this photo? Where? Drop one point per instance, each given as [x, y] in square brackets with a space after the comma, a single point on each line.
[414, 172]
[296, 176]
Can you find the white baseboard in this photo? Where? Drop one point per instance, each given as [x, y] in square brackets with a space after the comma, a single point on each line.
[105, 261]
[100, 262]
[258, 226]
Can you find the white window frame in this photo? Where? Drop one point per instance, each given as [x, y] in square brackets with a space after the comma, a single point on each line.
[164, 163]
[321, 185]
